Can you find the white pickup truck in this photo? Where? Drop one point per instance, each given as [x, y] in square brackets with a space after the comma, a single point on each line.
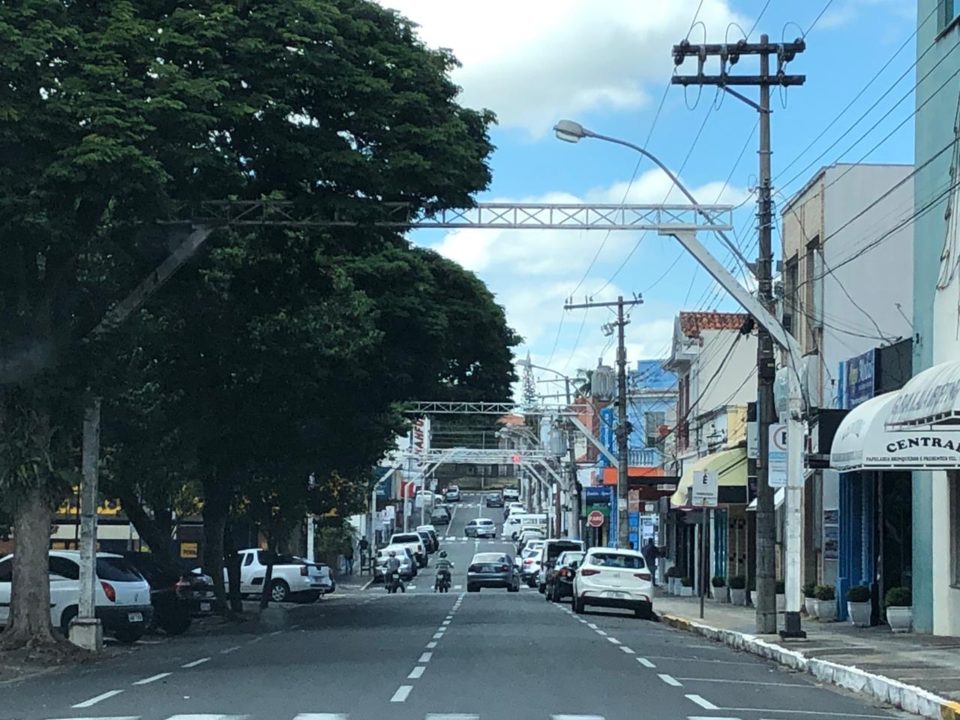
[292, 578]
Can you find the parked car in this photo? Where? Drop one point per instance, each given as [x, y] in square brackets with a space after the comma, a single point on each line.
[122, 595]
[415, 543]
[292, 578]
[512, 508]
[559, 579]
[428, 543]
[492, 570]
[433, 534]
[552, 549]
[511, 495]
[176, 594]
[327, 580]
[529, 536]
[614, 578]
[517, 522]
[407, 565]
[440, 515]
[451, 494]
[480, 527]
[531, 542]
[494, 500]
[530, 568]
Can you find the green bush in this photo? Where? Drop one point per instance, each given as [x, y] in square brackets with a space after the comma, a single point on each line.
[858, 594]
[810, 590]
[779, 587]
[825, 592]
[674, 572]
[718, 582]
[899, 597]
[738, 582]
[687, 582]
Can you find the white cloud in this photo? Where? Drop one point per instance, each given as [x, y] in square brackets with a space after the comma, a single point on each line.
[535, 61]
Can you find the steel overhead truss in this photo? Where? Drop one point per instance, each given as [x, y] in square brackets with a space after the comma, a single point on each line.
[429, 407]
[509, 216]
[431, 459]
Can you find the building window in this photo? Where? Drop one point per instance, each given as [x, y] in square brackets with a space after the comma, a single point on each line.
[953, 481]
[948, 11]
[652, 422]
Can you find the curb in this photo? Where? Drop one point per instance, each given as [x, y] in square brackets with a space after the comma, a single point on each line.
[878, 687]
[367, 584]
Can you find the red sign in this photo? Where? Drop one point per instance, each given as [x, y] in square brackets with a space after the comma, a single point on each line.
[516, 459]
[595, 519]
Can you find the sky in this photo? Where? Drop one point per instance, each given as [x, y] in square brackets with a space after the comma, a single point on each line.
[607, 64]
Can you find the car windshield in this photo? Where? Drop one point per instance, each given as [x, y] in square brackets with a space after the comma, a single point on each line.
[397, 539]
[570, 557]
[117, 569]
[616, 560]
[490, 558]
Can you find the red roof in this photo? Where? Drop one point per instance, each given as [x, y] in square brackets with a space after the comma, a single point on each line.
[693, 323]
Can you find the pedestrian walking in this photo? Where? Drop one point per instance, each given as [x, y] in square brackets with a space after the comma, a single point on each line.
[348, 558]
[650, 554]
[363, 546]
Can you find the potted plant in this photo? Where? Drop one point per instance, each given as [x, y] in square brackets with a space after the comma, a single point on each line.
[859, 607]
[899, 602]
[719, 588]
[738, 590]
[686, 587]
[810, 599]
[826, 603]
[673, 580]
[780, 590]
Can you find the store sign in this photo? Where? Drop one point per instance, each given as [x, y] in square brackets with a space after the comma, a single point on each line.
[777, 456]
[706, 488]
[860, 378]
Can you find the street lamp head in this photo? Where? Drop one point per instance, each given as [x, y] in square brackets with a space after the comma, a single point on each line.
[570, 131]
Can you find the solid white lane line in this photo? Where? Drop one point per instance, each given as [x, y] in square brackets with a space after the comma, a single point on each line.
[321, 716]
[152, 678]
[627, 650]
[670, 680]
[417, 672]
[112, 717]
[99, 698]
[710, 717]
[431, 645]
[425, 657]
[705, 704]
[808, 712]
[227, 651]
[749, 682]
[193, 664]
[613, 640]
[645, 662]
[401, 694]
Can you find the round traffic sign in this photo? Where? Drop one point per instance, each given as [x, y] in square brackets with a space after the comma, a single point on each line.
[595, 519]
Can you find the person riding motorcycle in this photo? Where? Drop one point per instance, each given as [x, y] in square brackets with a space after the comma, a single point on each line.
[443, 567]
[393, 569]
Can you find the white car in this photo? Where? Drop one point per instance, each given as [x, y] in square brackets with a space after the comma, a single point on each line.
[614, 578]
[481, 527]
[452, 494]
[407, 570]
[292, 578]
[414, 542]
[122, 599]
[530, 567]
[513, 508]
[511, 495]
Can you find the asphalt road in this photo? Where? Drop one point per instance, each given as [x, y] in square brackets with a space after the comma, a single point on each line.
[492, 655]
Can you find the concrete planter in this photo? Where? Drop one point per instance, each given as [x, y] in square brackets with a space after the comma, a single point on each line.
[900, 618]
[810, 604]
[686, 591]
[720, 595]
[859, 613]
[672, 584]
[738, 597]
[826, 610]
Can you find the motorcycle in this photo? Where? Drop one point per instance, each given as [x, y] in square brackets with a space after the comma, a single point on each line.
[442, 583]
[391, 582]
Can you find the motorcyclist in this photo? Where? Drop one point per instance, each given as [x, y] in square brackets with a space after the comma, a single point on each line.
[443, 567]
[393, 568]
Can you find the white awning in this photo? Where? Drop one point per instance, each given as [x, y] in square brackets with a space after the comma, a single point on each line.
[867, 440]
[777, 500]
[932, 398]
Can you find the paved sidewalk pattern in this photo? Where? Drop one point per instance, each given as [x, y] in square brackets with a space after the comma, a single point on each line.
[916, 673]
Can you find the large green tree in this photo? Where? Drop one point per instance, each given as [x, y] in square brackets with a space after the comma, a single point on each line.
[118, 113]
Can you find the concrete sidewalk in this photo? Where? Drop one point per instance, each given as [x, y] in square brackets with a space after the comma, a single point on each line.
[918, 673]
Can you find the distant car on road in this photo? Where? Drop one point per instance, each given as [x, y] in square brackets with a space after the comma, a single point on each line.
[559, 578]
[481, 527]
[513, 507]
[494, 500]
[492, 570]
[451, 494]
[511, 495]
[530, 568]
[427, 541]
[433, 534]
[440, 515]
[552, 549]
[415, 543]
[407, 570]
[614, 578]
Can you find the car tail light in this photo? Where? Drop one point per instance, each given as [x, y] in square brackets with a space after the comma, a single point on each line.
[181, 585]
[473, 568]
[642, 575]
[588, 572]
[108, 591]
[563, 572]
[504, 568]
[528, 562]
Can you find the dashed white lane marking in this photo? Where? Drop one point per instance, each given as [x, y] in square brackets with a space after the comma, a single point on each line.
[227, 651]
[431, 645]
[193, 664]
[451, 716]
[321, 716]
[645, 662]
[99, 698]
[152, 678]
[207, 716]
[437, 636]
[576, 717]
[627, 650]
[709, 717]
[425, 657]
[591, 626]
[458, 587]
[705, 704]
[275, 633]
[445, 622]
[401, 694]
[670, 680]
[601, 632]
[613, 640]
[417, 672]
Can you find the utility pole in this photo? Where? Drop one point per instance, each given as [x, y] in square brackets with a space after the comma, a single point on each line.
[573, 497]
[623, 429]
[86, 630]
[766, 366]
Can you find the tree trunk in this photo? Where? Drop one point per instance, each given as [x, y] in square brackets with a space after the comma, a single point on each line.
[151, 529]
[232, 561]
[29, 624]
[214, 523]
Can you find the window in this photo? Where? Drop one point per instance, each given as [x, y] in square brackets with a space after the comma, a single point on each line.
[248, 559]
[117, 569]
[948, 11]
[652, 422]
[616, 560]
[64, 569]
[6, 571]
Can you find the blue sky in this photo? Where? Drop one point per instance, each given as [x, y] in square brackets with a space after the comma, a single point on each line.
[607, 64]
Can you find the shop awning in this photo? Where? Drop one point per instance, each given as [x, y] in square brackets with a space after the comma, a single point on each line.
[870, 439]
[930, 399]
[777, 501]
[731, 468]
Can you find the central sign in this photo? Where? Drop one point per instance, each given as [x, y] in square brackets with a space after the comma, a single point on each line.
[706, 489]
[595, 519]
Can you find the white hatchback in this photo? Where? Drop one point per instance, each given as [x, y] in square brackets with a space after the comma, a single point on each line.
[613, 578]
[122, 595]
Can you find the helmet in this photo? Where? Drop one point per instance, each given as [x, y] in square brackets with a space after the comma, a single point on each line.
[393, 553]
[443, 553]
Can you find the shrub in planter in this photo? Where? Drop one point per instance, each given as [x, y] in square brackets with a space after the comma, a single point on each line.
[738, 590]
[738, 582]
[810, 590]
[810, 599]
[826, 603]
[859, 607]
[686, 587]
[899, 602]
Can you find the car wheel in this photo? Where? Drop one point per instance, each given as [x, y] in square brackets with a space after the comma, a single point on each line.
[472, 588]
[644, 612]
[279, 590]
[128, 636]
[542, 588]
[548, 597]
[68, 615]
[556, 594]
[577, 605]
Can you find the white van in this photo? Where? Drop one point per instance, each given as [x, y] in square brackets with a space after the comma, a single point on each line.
[514, 524]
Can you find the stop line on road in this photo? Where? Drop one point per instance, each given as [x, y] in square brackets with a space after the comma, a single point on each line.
[346, 716]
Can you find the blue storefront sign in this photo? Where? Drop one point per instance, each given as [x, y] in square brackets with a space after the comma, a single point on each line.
[607, 436]
[860, 379]
[383, 487]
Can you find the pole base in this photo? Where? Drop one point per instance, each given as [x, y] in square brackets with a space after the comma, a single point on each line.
[87, 633]
[791, 626]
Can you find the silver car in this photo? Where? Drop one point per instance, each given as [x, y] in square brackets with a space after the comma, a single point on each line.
[492, 570]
